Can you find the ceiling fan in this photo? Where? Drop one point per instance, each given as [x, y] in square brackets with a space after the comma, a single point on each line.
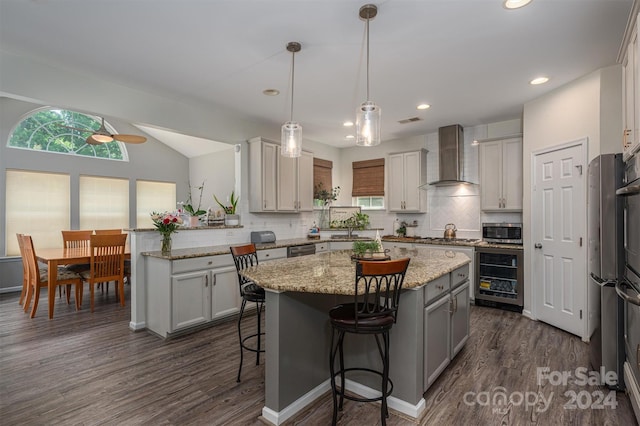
[102, 135]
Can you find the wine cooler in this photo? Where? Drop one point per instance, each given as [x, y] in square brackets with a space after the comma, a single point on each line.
[499, 277]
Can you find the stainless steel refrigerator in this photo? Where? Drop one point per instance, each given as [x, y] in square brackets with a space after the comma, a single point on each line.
[606, 261]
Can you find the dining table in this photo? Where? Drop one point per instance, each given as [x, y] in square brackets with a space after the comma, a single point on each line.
[55, 257]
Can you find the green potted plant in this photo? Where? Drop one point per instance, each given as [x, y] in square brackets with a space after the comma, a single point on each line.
[364, 249]
[194, 212]
[231, 218]
[323, 198]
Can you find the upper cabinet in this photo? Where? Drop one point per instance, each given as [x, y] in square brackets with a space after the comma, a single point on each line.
[276, 183]
[407, 171]
[631, 95]
[501, 174]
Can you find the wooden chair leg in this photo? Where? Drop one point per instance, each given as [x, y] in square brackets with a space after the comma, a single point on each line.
[121, 291]
[68, 291]
[28, 297]
[78, 287]
[91, 291]
[35, 302]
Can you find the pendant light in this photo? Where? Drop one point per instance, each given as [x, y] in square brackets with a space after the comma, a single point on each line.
[368, 113]
[291, 141]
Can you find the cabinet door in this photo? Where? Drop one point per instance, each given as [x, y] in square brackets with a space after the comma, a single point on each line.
[190, 299]
[269, 176]
[459, 318]
[437, 335]
[395, 180]
[225, 292]
[490, 157]
[287, 183]
[412, 177]
[512, 174]
[305, 182]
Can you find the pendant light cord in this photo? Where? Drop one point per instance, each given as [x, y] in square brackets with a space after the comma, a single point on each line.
[293, 73]
[367, 26]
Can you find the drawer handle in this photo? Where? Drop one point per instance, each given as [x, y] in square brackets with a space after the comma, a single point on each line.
[210, 262]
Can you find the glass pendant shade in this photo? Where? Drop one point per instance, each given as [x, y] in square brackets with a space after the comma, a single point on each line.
[291, 140]
[368, 117]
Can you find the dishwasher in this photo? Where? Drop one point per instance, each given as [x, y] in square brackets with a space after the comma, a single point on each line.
[303, 250]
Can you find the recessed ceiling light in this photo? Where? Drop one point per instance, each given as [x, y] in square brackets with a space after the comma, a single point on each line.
[423, 106]
[271, 92]
[347, 123]
[539, 80]
[515, 4]
[349, 137]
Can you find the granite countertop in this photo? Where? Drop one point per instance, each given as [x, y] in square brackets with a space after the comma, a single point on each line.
[334, 272]
[442, 242]
[188, 253]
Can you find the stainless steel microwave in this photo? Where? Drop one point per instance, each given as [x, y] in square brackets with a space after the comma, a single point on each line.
[505, 233]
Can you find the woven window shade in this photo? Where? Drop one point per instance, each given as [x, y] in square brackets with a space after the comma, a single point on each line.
[368, 178]
[322, 174]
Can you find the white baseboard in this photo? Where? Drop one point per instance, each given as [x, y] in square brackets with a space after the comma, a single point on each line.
[137, 326]
[633, 390]
[16, 289]
[527, 313]
[279, 417]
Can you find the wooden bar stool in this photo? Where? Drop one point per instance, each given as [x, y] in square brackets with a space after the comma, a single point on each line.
[373, 311]
[243, 257]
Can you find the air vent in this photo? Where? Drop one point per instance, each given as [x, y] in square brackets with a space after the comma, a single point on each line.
[410, 120]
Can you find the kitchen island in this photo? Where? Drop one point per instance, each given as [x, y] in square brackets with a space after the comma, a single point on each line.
[300, 293]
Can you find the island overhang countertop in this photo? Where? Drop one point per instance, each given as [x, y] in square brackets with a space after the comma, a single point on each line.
[334, 272]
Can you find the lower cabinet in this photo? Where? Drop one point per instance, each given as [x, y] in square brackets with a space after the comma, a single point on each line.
[225, 292]
[190, 300]
[446, 321]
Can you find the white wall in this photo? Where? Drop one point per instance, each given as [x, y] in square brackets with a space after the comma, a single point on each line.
[588, 107]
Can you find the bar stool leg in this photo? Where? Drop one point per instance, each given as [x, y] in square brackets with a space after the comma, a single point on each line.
[259, 316]
[244, 302]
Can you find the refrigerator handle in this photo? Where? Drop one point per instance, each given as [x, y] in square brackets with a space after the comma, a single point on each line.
[601, 282]
[621, 290]
[629, 190]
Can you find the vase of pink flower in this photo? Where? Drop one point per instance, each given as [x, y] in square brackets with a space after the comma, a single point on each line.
[166, 223]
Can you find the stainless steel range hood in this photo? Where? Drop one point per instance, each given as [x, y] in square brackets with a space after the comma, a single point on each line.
[450, 156]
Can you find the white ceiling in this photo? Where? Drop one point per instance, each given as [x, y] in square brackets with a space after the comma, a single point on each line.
[470, 59]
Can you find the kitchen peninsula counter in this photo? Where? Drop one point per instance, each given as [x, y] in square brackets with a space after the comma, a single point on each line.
[301, 291]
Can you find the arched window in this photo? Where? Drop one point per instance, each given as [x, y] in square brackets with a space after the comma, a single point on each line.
[47, 129]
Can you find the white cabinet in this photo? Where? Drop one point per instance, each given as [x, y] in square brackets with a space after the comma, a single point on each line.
[395, 244]
[276, 183]
[184, 293]
[501, 174]
[631, 95]
[446, 321]
[190, 299]
[225, 292]
[406, 172]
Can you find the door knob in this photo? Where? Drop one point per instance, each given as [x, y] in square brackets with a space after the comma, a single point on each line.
[538, 245]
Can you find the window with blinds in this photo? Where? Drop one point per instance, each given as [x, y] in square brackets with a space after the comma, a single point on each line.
[104, 203]
[322, 170]
[39, 206]
[368, 178]
[153, 197]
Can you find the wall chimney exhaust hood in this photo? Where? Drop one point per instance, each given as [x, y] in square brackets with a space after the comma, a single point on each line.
[450, 156]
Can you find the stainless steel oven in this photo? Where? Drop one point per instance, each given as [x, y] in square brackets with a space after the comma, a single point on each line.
[628, 288]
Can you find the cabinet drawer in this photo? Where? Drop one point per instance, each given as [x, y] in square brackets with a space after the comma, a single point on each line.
[271, 254]
[460, 275]
[436, 288]
[199, 263]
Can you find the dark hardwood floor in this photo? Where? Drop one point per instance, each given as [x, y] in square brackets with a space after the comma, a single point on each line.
[89, 369]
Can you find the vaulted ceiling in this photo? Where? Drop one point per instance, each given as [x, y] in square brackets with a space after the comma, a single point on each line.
[471, 60]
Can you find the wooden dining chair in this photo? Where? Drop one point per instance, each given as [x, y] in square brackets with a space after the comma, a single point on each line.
[25, 270]
[38, 278]
[108, 231]
[127, 262]
[107, 263]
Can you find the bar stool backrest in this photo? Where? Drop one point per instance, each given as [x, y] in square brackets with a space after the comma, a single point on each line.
[244, 257]
[377, 288]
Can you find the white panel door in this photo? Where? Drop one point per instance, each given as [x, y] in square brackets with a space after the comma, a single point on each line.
[559, 224]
